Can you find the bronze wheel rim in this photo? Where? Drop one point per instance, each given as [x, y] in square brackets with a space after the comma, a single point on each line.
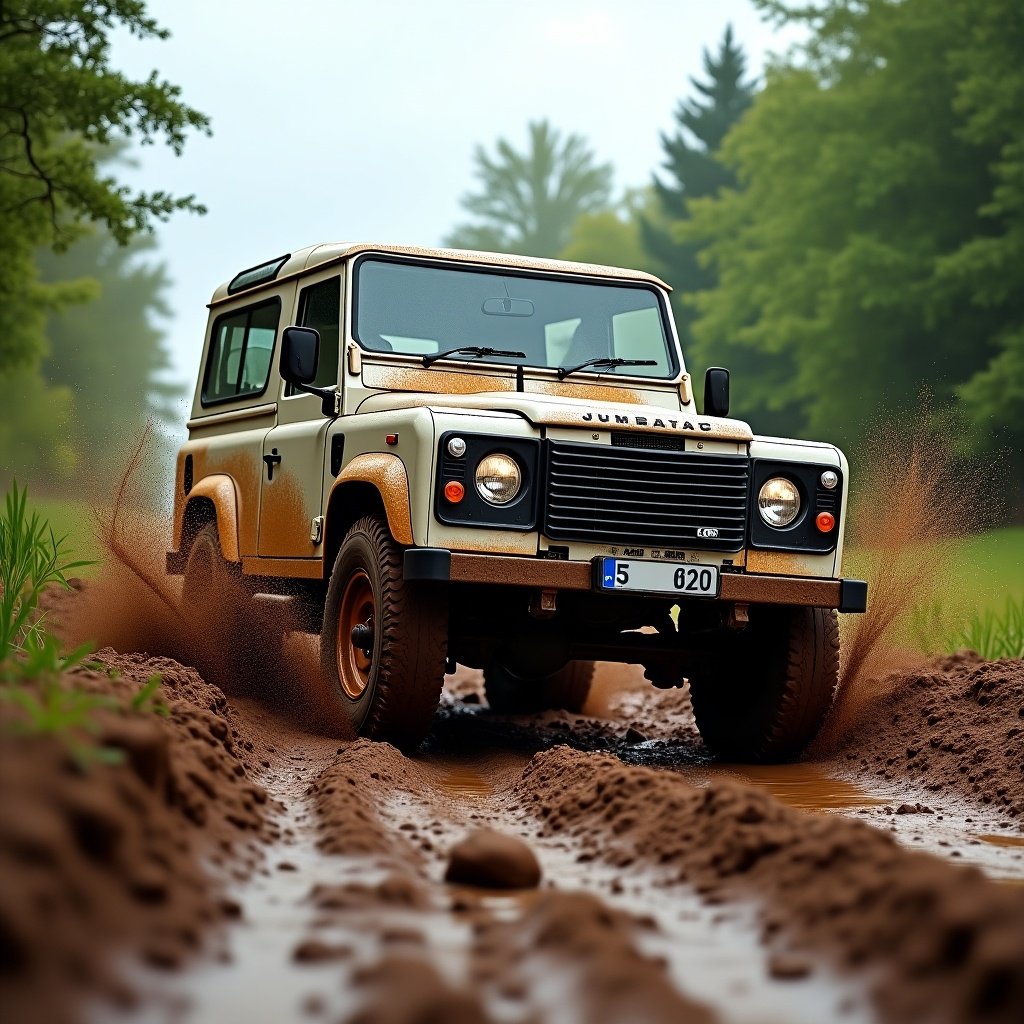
[358, 608]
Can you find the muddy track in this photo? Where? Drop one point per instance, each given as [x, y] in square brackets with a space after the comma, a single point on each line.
[672, 888]
[685, 894]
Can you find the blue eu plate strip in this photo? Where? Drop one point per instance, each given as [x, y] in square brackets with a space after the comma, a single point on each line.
[608, 574]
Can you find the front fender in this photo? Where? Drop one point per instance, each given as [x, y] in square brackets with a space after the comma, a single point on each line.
[388, 475]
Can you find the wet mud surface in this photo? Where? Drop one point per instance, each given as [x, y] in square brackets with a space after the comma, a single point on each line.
[254, 864]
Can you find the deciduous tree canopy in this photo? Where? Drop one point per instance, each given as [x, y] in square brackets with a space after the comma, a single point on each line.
[528, 202]
[63, 111]
[877, 237]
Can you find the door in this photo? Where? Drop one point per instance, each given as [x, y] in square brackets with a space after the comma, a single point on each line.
[236, 392]
[293, 451]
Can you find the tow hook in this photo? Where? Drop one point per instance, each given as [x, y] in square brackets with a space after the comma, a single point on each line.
[738, 617]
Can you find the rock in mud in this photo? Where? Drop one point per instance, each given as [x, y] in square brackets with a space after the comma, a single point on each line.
[491, 860]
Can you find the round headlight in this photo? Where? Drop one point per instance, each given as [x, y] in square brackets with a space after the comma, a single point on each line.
[779, 501]
[498, 479]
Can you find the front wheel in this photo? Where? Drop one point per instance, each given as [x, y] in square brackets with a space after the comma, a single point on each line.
[764, 696]
[384, 640]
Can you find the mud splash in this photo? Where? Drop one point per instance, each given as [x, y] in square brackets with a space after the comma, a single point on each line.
[915, 501]
[246, 647]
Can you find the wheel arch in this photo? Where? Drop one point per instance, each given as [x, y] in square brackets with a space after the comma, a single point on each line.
[212, 499]
[371, 484]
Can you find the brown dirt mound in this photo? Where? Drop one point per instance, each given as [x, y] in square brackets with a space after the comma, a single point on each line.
[106, 858]
[935, 941]
[346, 792]
[577, 933]
[956, 726]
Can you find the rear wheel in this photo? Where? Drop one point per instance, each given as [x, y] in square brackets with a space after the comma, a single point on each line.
[565, 690]
[235, 643]
[384, 640]
[765, 695]
[211, 603]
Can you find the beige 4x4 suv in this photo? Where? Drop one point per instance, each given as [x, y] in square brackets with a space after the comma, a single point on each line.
[465, 457]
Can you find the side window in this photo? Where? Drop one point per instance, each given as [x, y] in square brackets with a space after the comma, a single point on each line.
[320, 308]
[241, 352]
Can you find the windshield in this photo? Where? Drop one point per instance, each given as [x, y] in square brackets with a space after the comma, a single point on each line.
[422, 310]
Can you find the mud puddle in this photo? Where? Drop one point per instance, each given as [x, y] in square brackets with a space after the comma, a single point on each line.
[713, 955]
[650, 728]
[952, 830]
[807, 787]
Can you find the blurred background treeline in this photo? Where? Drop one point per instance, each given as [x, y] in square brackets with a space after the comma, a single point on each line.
[841, 231]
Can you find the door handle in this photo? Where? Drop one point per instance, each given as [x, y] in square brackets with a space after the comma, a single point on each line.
[272, 460]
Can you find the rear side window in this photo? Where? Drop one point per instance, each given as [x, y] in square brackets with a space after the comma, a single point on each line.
[241, 352]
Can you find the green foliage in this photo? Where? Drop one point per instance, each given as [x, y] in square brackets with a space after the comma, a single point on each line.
[33, 684]
[113, 338]
[63, 105]
[63, 419]
[693, 169]
[147, 699]
[992, 632]
[37, 439]
[875, 242]
[31, 559]
[612, 237]
[528, 202]
[49, 708]
[63, 102]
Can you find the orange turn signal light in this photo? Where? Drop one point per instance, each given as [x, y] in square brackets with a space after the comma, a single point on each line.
[454, 491]
[825, 522]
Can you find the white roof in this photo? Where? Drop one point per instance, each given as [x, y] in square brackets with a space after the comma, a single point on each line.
[334, 252]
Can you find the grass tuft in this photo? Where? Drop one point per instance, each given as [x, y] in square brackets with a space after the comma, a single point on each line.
[32, 558]
[33, 685]
[995, 632]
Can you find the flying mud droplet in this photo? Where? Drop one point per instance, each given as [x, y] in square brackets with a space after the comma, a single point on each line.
[247, 648]
[913, 501]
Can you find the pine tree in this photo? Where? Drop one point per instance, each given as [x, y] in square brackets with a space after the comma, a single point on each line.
[693, 169]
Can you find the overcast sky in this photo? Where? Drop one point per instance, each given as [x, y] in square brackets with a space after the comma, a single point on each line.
[357, 119]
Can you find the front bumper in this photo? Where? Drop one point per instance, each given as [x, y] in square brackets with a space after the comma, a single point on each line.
[442, 565]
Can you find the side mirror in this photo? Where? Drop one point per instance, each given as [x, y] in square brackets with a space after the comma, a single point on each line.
[716, 391]
[300, 354]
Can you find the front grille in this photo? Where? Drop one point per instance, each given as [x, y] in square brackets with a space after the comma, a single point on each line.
[645, 496]
[666, 442]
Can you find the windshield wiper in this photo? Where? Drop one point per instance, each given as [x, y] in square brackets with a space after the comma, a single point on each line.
[604, 362]
[470, 350]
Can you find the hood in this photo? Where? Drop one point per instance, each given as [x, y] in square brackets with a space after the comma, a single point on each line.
[549, 410]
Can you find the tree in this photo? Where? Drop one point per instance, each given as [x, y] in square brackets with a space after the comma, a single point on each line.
[693, 169]
[611, 237]
[874, 241]
[62, 103]
[110, 353]
[62, 106]
[528, 202]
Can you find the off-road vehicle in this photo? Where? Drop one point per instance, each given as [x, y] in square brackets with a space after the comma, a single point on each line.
[442, 456]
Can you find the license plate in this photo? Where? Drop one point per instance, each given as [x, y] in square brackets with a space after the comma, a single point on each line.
[677, 578]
